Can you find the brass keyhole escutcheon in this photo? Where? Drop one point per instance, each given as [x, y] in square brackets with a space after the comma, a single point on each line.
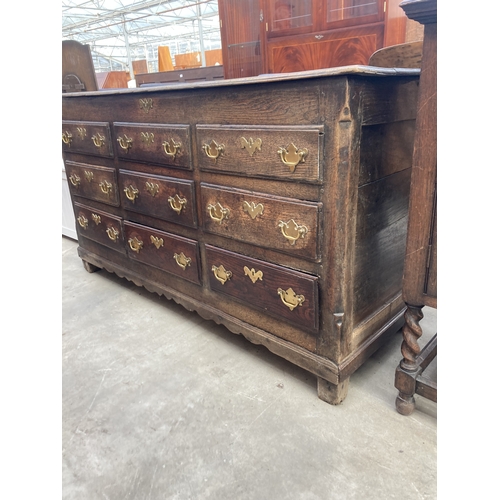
[106, 187]
[157, 242]
[82, 132]
[221, 274]
[253, 274]
[218, 213]
[148, 138]
[177, 203]
[252, 209]
[125, 142]
[112, 234]
[98, 140]
[292, 231]
[171, 148]
[135, 244]
[291, 156]
[146, 104]
[152, 188]
[67, 137]
[290, 298]
[182, 260]
[89, 175]
[96, 218]
[131, 193]
[213, 150]
[251, 146]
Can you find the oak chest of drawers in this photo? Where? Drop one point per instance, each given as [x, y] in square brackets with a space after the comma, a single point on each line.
[275, 205]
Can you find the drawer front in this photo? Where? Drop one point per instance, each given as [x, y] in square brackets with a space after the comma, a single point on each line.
[163, 144]
[168, 252]
[93, 138]
[275, 152]
[100, 226]
[270, 289]
[93, 182]
[162, 197]
[287, 225]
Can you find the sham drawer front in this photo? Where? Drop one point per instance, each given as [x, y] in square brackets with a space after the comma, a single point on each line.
[166, 198]
[93, 182]
[93, 138]
[163, 144]
[100, 226]
[269, 288]
[285, 153]
[284, 224]
[168, 252]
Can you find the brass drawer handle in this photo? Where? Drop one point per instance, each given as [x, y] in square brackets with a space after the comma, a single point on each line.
[67, 137]
[177, 203]
[152, 188]
[135, 244]
[112, 234]
[251, 146]
[131, 193]
[106, 187]
[252, 209]
[83, 221]
[213, 150]
[218, 213]
[171, 148]
[98, 140]
[253, 274]
[157, 242]
[182, 260]
[221, 274]
[291, 156]
[292, 231]
[125, 142]
[290, 298]
[75, 180]
[96, 218]
[89, 175]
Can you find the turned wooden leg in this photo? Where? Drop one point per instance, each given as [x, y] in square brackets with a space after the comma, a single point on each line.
[90, 268]
[408, 369]
[331, 393]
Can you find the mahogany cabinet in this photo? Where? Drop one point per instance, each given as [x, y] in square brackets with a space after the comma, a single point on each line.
[420, 271]
[281, 36]
[276, 206]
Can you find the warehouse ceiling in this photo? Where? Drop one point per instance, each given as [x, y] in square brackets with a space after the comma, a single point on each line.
[121, 31]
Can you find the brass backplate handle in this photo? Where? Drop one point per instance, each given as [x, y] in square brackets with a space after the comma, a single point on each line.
[290, 298]
[106, 187]
[171, 148]
[83, 221]
[253, 274]
[182, 260]
[221, 274]
[67, 137]
[135, 244]
[74, 179]
[292, 231]
[98, 140]
[177, 203]
[213, 150]
[291, 156]
[125, 142]
[131, 193]
[112, 234]
[217, 212]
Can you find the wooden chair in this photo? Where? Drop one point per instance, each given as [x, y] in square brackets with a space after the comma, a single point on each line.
[77, 67]
[404, 55]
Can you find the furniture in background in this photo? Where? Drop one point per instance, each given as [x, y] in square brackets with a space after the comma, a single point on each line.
[420, 271]
[403, 55]
[112, 79]
[281, 36]
[77, 67]
[207, 73]
[275, 205]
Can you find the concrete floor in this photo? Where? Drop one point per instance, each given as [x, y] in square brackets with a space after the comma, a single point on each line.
[158, 403]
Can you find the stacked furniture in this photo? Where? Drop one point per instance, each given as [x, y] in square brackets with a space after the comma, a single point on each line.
[276, 206]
